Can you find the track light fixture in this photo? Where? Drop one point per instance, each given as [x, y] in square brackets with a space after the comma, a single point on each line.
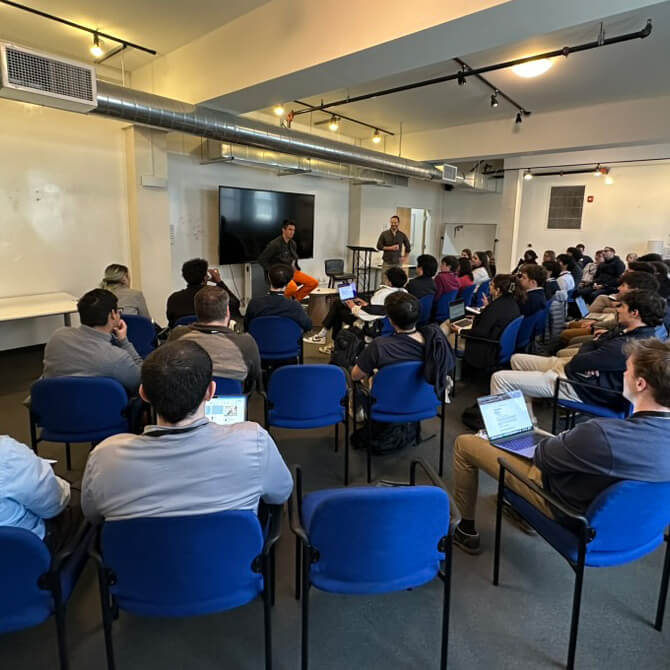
[528, 175]
[461, 77]
[597, 172]
[494, 99]
[334, 124]
[519, 118]
[279, 110]
[376, 137]
[96, 49]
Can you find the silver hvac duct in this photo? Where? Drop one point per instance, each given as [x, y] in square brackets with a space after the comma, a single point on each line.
[153, 110]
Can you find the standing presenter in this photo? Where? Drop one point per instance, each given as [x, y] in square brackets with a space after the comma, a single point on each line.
[391, 242]
[283, 250]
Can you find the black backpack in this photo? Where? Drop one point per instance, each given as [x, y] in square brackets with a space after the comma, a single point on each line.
[348, 345]
[385, 437]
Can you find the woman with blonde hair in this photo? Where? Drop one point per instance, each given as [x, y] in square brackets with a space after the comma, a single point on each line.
[117, 280]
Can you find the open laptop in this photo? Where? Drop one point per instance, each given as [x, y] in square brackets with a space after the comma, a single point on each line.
[508, 423]
[347, 291]
[457, 315]
[226, 409]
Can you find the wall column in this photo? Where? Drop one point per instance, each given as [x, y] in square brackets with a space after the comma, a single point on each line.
[508, 228]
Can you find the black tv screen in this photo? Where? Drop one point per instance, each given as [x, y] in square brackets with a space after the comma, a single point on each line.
[249, 219]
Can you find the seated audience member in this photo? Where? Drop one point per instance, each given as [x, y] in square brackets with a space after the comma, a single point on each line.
[492, 263]
[196, 275]
[590, 270]
[584, 260]
[32, 497]
[663, 278]
[607, 275]
[501, 309]
[99, 347]
[184, 465]
[467, 253]
[423, 284]
[551, 285]
[599, 363]
[117, 280]
[630, 258]
[407, 344]
[275, 303]
[446, 280]
[234, 355]
[465, 277]
[650, 258]
[566, 280]
[480, 267]
[549, 256]
[532, 279]
[529, 257]
[579, 464]
[341, 313]
[603, 310]
[578, 270]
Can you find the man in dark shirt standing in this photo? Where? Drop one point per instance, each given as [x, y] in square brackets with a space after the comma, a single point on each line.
[423, 284]
[391, 242]
[579, 464]
[283, 250]
[275, 303]
[196, 275]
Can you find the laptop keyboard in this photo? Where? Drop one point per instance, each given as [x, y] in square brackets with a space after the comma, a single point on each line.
[519, 443]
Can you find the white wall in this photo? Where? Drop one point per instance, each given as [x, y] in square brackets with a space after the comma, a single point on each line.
[63, 214]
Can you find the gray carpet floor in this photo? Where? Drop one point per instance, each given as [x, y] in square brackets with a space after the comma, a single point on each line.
[523, 623]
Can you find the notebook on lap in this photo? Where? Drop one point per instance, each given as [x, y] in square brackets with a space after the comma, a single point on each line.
[226, 409]
[508, 424]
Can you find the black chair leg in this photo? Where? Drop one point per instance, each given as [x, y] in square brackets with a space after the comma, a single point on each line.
[663, 594]
[442, 420]
[268, 597]
[576, 604]
[346, 450]
[337, 436]
[499, 508]
[68, 456]
[107, 616]
[62, 638]
[304, 661]
[273, 576]
[445, 604]
[298, 567]
[33, 432]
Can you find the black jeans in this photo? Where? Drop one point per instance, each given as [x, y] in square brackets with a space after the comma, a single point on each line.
[338, 315]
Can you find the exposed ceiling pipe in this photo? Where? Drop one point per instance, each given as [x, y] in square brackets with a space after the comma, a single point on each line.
[152, 110]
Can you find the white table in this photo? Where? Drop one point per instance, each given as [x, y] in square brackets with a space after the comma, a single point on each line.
[318, 303]
[42, 304]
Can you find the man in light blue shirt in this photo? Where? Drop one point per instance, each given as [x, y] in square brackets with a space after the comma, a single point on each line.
[184, 465]
[30, 492]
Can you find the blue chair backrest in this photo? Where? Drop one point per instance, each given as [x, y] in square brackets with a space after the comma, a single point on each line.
[78, 404]
[483, 289]
[387, 328]
[186, 320]
[466, 294]
[661, 332]
[530, 326]
[426, 304]
[276, 336]
[571, 295]
[442, 308]
[375, 540]
[508, 340]
[141, 333]
[185, 565]
[23, 558]
[320, 389]
[629, 514]
[417, 394]
[225, 386]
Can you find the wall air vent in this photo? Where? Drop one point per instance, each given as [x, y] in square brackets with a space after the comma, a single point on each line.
[449, 172]
[31, 76]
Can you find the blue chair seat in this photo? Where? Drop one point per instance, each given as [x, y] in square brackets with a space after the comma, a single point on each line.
[593, 410]
[322, 421]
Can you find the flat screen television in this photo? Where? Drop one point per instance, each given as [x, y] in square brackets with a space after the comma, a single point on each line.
[250, 218]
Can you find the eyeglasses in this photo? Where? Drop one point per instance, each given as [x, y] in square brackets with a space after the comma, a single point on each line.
[519, 275]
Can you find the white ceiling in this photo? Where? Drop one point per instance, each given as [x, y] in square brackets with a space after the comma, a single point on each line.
[634, 69]
[162, 25]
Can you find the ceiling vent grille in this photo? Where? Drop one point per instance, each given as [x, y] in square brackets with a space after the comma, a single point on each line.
[449, 172]
[30, 76]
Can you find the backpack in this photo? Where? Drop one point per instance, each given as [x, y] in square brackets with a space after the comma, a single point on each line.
[347, 346]
[385, 437]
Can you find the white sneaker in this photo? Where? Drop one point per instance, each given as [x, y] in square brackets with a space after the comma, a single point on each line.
[328, 349]
[315, 339]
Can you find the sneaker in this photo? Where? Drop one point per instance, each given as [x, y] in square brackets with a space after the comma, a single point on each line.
[470, 544]
[315, 339]
[328, 349]
[512, 515]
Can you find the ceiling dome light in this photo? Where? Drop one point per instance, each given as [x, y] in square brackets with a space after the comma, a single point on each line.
[96, 49]
[376, 138]
[609, 180]
[334, 124]
[533, 68]
[279, 110]
[528, 175]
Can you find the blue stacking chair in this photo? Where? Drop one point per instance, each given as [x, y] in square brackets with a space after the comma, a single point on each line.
[186, 566]
[484, 289]
[36, 585]
[426, 304]
[417, 401]
[309, 396]
[141, 333]
[387, 328]
[625, 522]
[619, 408]
[661, 332]
[278, 338]
[531, 326]
[466, 294]
[506, 344]
[442, 307]
[186, 320]
[76, 409]
[369, 540]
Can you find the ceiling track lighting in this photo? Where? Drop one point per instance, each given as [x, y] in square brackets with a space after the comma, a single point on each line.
[494, 99]
[96, 50]
[600, 171]
[519, 118]
[528, 175]
[461, 77]
[376, 137]
[278, 110]
[334, 124]
[376, 129]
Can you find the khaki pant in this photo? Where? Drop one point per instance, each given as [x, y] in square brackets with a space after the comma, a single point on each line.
[472, 454]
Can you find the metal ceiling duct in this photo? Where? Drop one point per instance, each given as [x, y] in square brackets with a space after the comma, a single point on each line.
[153, 110]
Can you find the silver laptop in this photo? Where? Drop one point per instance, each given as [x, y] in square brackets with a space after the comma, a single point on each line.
[457, 315]
[508, 424]
[226, 409]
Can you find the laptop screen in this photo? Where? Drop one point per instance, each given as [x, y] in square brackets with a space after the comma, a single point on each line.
[226, 409]
[505, 414]
[347, 291]
[456, 310]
